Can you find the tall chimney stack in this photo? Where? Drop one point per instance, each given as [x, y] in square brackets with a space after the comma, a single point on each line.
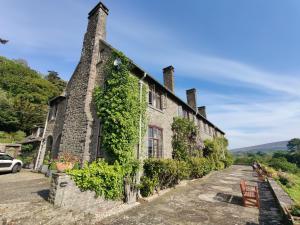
[202, 111]
[191, 96]
[169, 78]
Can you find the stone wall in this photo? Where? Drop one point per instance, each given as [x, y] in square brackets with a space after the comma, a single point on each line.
[164, 119]
[64, 193]
[81, 126]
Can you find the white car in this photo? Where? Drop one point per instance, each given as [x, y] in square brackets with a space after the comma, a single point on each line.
[8, 163]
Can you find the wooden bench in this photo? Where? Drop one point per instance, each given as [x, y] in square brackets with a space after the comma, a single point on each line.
[261, 175]
[250, 194]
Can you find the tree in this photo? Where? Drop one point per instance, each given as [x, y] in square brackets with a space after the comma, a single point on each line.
[294, 145]
[54, 78]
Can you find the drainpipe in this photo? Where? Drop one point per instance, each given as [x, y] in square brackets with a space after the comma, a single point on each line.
[138, 176]
[140, 123]
[42, 141]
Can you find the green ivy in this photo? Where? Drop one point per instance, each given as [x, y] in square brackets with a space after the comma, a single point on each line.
[119, 108]
[184, 138]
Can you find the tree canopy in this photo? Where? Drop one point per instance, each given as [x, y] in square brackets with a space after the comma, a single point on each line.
[294, 145]
[24, 94]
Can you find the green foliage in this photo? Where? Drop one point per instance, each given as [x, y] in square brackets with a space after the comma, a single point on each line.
[11, 137]
[54, 78]
[106, 180]
[283, 165]
[167, 171]
[28, 152]
[199, 167]
[24, 95]
[295, 210]
[216, 150]
[228, 159]
[286, 180]
[294, 145]
[148, 186]
[119, 108]
[184, 138]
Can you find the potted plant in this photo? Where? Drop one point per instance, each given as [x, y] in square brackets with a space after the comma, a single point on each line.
[65, 161]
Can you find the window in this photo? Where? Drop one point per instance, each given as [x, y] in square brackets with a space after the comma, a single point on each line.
[5, 157]
[53, 112]
[180, 112]
[155, 142]
[155, 98]
[185, 114]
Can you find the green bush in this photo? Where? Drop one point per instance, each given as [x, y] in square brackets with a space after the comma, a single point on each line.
[282, 164]
[199, 167]
[147, 186]
[106, 180]
[284, 179]
[228, 160]
[168, 171]
[295, 210]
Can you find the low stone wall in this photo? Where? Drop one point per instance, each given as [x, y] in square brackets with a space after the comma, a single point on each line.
[284, 201]
[64, 193]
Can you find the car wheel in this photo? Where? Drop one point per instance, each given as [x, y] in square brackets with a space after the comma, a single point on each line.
[16, 169]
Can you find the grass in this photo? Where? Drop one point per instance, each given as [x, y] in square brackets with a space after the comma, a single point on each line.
[294, 191]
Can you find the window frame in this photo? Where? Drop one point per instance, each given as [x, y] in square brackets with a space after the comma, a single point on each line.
[159, 153]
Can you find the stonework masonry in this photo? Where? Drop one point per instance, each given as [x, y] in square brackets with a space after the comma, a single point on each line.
[72, 123]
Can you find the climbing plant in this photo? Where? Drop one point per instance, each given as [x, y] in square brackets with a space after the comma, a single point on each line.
[119, 107]
[184, 138]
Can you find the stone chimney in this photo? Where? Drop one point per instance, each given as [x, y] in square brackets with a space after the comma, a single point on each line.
[96, 30]
[191, 96]
[169, 78]
[202, 111]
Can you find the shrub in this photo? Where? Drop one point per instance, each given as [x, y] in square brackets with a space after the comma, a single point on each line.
[284, 179]
[281, 163]
[167, 171]
[199, 167]
[269, 171]
[228, 160]
[295, 210]
[183, 170]
[106, 180]
[147, 186]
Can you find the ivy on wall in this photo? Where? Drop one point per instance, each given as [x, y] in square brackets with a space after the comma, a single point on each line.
[184, 139]
[119, 108]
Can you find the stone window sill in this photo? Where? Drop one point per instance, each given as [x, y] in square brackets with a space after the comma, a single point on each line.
[159, 110]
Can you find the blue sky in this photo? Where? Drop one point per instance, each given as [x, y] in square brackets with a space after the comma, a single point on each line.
[242, 56]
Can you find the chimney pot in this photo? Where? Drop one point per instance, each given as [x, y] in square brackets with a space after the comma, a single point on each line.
[191, 96]
[202, 111]
[169, 77]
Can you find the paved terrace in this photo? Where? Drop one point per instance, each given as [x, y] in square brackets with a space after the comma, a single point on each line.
[213, 200]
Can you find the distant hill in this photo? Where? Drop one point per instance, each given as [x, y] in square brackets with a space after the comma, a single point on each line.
[274, 146]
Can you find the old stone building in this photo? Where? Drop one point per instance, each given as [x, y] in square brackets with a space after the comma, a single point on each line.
[72, 123]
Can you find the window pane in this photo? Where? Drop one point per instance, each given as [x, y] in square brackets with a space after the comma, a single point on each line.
[158, 101]
[150, 98]
[150, 148]
[150, 132]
